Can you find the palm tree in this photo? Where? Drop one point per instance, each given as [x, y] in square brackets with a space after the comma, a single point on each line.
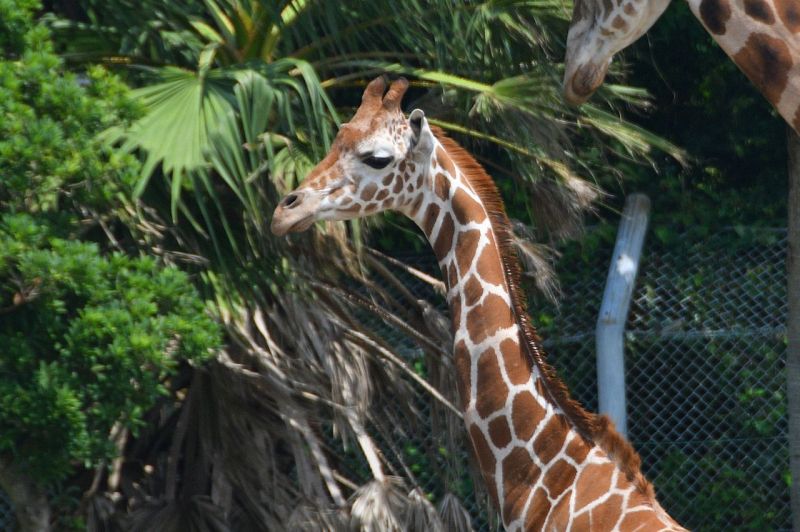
[300, 422]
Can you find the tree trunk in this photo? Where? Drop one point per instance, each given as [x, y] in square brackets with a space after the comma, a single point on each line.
[30, 503]
[793, 323]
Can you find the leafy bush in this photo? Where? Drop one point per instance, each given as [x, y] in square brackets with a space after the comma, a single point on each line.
[89, 338]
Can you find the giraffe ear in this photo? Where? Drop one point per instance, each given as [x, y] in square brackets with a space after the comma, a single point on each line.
[422, 136]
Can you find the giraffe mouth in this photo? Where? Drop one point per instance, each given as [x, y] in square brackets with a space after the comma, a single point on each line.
[584, 82]
[280, 226]
[296, 212]
[301, 225]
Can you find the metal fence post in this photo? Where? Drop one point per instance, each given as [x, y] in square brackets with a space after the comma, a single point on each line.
[614, 309]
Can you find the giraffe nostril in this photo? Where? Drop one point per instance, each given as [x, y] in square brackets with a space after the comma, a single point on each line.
[290, 201]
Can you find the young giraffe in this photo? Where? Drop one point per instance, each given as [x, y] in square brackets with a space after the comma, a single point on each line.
[761, 36]
[547, 463]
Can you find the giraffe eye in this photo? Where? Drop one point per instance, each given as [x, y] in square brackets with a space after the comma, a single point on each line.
[377, 162]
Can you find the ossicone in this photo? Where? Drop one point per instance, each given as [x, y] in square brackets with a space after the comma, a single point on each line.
[374, 90]
[395, 94]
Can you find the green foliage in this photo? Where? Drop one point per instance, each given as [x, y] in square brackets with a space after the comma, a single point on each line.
[48, 154]
[703, 103]
[725, 498]
[15, 23]
[89, 339]
[277, 77]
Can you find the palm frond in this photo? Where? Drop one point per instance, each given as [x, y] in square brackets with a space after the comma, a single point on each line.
[297, 422]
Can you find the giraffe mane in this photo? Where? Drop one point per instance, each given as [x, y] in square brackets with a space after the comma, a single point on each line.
[598, 429]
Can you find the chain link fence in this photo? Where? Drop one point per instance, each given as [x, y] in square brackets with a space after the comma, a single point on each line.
[705, 356]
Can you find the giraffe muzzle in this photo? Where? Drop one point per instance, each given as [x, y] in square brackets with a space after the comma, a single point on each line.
[296, 212]
[584, 82]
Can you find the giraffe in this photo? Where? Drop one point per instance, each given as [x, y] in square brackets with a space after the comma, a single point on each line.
[761, 36]
[546, 462]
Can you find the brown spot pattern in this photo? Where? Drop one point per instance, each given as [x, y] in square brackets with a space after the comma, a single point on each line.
[441, 186]
[558, 478]
[416, 205]
[490, 382]
[715, 14]
[444, 240]
[467, 209]
[559, 517]
[766, 61]
[517, 364]
[605, 516]
[594, 480]
[462, 362]
[550, 439]
[789, 11]
[466, 246]
[382, 195]
[369, 192]
[581, 522]
[538, 510]
[387, 180]
[472, 291]
[452, 275]
[485, 319]
[629, 9]
[455, 311]
[398, 186]
[445, 161]
[489, 264]
[486, 459]
[759, 10]
[619, 23]
[431, 215]
[519, 475]
[639, 521]
[526, 414]
[500, 432]
[577, 449]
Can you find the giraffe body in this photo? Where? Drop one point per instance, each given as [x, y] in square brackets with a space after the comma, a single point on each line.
[761, 36]
[547, 463]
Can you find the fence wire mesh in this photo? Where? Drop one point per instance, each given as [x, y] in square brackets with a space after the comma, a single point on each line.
[705, 357]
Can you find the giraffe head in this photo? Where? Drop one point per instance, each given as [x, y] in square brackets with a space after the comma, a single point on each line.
[600, 29]
[373, 165]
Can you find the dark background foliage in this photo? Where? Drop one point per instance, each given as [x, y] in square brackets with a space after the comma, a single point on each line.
[113, 219]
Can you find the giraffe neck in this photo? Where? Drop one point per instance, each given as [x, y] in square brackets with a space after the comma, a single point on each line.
[763, 38]
[503, 406]
[531, 456]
